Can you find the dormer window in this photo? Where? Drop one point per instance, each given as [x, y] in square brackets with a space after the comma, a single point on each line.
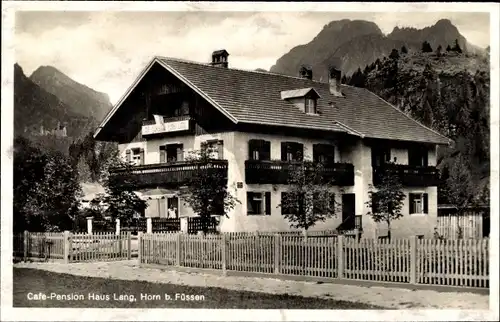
[305, 99]
[310, 106]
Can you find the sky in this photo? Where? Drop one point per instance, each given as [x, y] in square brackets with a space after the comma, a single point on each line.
[107, 50]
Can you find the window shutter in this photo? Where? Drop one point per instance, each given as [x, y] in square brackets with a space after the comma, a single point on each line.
[284, 146]
[128, 155]
[426, 203]
[163, 154]
[220, 149]
[251, 148]
[265, 150]
[316, 151]
[249, 202]
[204, 147]
[412, 203]
[268, 203]
[180, 156]
[141, 155]
[425, 155]
[164, 206]
[300, 151]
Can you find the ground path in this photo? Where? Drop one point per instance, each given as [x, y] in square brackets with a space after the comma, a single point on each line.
[397, 298]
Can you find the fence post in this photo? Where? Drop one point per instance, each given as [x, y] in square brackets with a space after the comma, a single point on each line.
[117, 226]
[340, 256]
[277, 254]
[184, 224]
[149, 225]
[139, 250]
[66, 247]
[25, 244]
[178, 250]
[413, 260]
[129, 245]
[89, 225]
[223, 253]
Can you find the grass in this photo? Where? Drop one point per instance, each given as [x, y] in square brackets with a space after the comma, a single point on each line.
[34, 281]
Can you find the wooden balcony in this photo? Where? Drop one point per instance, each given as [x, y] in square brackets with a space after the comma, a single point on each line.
[170, 125]
[276, 172]
[173, 174]
[410, 176]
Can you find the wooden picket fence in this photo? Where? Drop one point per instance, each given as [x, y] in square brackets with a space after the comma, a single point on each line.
[467, 226]
[69, 247]
[413, 261]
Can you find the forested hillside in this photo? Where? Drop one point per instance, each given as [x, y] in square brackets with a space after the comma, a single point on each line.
[448, 91]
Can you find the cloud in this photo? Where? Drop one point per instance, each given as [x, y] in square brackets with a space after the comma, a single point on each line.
[107, 50]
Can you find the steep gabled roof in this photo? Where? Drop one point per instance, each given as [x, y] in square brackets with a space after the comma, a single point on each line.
[255, 97]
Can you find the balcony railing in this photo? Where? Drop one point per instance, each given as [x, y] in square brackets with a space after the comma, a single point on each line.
[172, 174]
[277, 172]
[410, 176]
[170, 124]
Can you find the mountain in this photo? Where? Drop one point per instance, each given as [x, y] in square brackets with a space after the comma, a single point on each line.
[80, 98]
[35, 108]
[353, 44]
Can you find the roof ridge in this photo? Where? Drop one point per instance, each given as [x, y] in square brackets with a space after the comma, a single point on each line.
[411, 118]
[238, 69]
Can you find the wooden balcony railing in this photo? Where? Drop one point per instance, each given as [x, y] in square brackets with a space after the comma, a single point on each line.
[171, 124]
[410, 176]
[172, 174]
[276, 172]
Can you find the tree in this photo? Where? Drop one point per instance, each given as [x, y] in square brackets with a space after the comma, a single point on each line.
[426, 47]
[394, 54]
[386, 199]
[460, 185]
[457, 48]
[118, 201]
[46, 188]
[344, 79]
[206, 189]
[404, 50]
[309, 198]
[439, 51]
[448, 48]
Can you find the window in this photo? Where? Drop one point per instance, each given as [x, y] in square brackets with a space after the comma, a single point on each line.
[135, 156]
[310, 106]
[418, 157]
[258, 203]
[214, 148]
[173, 207]
[380, 156]
[324, 153]
[292, 151]
[419, 203]
[259, 150]
[171, 153]
[324, 206]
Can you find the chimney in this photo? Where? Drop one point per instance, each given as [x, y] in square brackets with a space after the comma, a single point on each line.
[334, 78]
[219, 58]
[306, 72]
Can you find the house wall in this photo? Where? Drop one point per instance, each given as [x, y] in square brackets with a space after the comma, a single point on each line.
[359, 154]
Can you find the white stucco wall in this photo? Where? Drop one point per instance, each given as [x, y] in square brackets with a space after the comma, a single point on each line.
[359, 154]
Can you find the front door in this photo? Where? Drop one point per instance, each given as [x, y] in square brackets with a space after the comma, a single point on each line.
[348, 211]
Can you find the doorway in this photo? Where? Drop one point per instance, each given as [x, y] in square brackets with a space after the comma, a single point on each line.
[348, 211]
